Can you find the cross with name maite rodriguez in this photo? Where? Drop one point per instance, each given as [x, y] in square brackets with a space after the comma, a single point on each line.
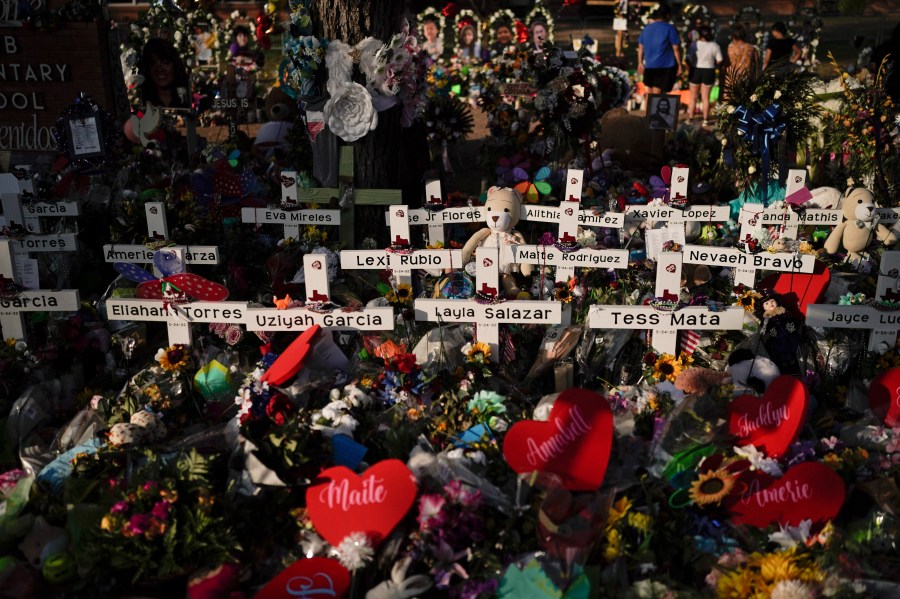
[488, 315]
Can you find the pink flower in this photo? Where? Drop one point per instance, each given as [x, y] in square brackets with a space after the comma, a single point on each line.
[160, 510]
[118, 507]
[430, 515]
[137, 525]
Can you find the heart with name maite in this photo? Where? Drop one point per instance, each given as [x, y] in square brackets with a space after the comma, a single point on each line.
[771, 422]
[342, 502]
[574, 443]
[808, 491]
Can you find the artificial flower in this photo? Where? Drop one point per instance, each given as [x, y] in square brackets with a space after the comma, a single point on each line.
[173, 358]
[355, 551]
[667, 368]
[747, 300]
[403, 294]
[477, 351]
[712, 487]
[349, 113]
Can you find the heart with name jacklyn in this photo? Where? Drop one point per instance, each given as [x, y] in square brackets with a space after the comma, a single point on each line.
[574, 443]
[771, 422]
[808, 491]
[308, 577]
[884, 396]
[343, 502]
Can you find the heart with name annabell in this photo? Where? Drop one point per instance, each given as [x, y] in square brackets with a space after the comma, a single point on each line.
[798, 290]
[574, 443]
[884, 396]
[771, 422]
[308, 577]
[342, 502]
[808, 491]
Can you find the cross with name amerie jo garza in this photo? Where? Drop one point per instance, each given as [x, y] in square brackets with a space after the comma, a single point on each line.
[486, 310]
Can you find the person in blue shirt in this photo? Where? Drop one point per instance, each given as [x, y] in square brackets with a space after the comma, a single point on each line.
[659, 53]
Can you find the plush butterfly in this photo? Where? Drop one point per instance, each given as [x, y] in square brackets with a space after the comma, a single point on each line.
[175, 285]
[531, 191]
[661, 184]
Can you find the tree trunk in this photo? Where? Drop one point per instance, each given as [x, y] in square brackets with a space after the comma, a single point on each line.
[376, 157]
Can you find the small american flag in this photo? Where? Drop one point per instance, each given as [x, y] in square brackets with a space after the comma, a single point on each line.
[689, 342]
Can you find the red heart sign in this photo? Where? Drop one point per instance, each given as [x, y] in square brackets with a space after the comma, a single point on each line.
[190, 284]
[799, 290]
[771, 422]
[291, 360]
[884, 396]
[372, 503]
[808, 491]
[574, 443]
[308, 577]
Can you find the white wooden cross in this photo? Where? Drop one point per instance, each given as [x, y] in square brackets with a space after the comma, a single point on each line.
[178, 317]
[744, 265]
[488, 317]
[315, 269]
[402, 263]
[158, 228]
[291, 220]
[883, 324]
[664, 325]
[12, 321]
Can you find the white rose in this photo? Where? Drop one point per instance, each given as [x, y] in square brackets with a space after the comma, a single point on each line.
[730, 109]
[777, 93]
[752, 169]
[753, 98]
[814, 43]
[350, 113]
[178, 36]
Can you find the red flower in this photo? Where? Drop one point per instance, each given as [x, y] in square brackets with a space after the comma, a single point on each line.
[279, 408]
[405, 363]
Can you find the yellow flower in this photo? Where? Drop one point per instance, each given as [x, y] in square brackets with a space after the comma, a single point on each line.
[748, 300]
[10, 342]
[402, 295]
[832, 460]
[712, 487]
[618, 510]
[778, 566]
[479, 350]
[667, 367]
[735, 585]
[641, 522]
[173, 358]
[613, 547]
[107, 523]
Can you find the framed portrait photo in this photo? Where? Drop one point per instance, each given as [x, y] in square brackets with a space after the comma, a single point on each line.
[85, 137]
[662, 112]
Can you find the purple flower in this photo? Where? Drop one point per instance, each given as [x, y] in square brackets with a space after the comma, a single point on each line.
[462, 494]
[431, 511]
[472, 589]
[801, 451]
[547, 239]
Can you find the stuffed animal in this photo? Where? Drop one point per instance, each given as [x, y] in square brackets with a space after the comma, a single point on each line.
[751, 372]
[273, 135]
[860, 227]
[502, 210]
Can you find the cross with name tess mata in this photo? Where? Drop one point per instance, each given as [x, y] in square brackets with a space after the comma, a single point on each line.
[882, 324]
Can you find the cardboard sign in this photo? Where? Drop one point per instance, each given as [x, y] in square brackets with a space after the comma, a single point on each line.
[771, 422]
[310, 577]
[884, 396]
[372, 503]
[798, 291]
[574, 443]
[808, 491]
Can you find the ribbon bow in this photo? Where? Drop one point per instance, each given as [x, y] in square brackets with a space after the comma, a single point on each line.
[762, 130]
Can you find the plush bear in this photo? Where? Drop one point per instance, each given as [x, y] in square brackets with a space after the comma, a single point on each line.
[273, 135]
[860, 227]
[502, 210]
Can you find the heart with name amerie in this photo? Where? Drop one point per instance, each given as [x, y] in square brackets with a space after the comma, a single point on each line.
[574, 443]
[884, 396]
[808, 491]
[373, 502]
[308, 577]
[773, 421]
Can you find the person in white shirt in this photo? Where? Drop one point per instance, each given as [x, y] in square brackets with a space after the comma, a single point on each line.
[706, 55]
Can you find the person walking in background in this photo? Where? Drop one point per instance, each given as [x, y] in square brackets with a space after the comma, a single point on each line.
[781, 47]
[659, 53]
[742, 57]
[707, 56]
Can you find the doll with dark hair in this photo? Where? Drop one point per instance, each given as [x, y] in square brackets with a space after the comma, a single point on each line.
[166, 81]
[779, 332]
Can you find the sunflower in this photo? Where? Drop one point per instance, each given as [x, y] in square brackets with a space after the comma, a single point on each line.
[478, 352]
[747, 300]
[174, 357]
[403, 294]
[712, 486]
[737, 584]
[667, 367]
[777, 566]
[563, 293]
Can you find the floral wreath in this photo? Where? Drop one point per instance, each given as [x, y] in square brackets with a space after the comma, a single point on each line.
[692, 12]
[810, 38]
[431, 14]
[753, 16]
[498, 19]
[465, 18]
[541, 14]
